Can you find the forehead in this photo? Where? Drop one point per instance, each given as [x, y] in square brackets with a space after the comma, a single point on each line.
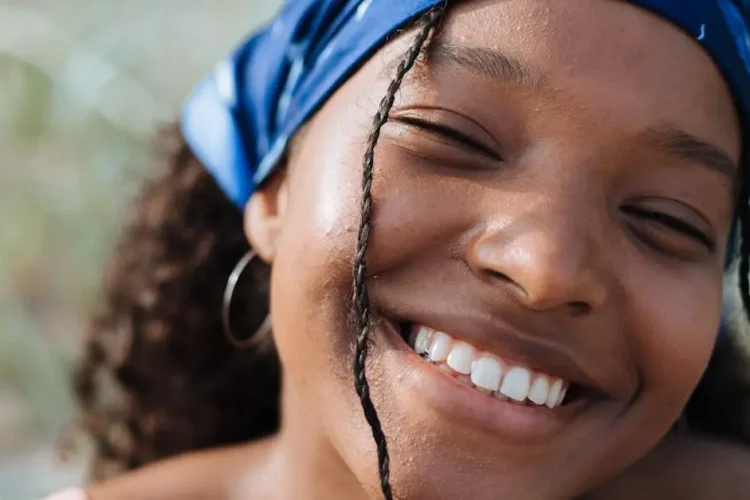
[609, 58]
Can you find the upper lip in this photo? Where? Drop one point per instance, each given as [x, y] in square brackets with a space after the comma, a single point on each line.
[514, 346]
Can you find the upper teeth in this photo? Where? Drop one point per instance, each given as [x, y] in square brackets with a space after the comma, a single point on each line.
[488, 372]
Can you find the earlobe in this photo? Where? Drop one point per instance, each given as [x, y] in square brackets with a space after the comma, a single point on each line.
[264, 217]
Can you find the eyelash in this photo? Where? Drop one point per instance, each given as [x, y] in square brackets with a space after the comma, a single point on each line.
[450, 134]
[674, 224]
[671, 223]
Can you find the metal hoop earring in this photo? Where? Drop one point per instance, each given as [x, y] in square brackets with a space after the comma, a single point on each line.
[265, 329]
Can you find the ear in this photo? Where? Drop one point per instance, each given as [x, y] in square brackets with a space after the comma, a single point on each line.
[264, 216]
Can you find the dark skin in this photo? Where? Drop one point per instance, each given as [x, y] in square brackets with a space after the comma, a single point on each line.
[566, 211]
[685, 468]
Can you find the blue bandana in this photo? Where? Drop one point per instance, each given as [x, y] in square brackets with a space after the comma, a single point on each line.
[240, 119]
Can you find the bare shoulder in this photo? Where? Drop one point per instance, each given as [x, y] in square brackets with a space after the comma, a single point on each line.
[686, 467]
[212, 474]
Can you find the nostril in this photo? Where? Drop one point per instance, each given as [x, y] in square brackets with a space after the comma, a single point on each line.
[580, 307]
[497, 275]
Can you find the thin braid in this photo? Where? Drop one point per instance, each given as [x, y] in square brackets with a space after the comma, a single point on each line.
[431, 21]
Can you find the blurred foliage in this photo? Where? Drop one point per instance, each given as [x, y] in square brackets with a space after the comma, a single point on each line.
[83, 86]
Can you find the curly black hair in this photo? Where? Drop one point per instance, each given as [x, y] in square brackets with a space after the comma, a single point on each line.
[178, 385]
[157, 338]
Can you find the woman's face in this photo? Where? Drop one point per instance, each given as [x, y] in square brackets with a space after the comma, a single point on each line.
[554, 188]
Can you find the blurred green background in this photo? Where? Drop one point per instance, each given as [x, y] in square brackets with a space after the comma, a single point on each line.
[83, 86]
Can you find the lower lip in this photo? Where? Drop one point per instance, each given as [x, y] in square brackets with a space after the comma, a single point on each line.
[468, 407]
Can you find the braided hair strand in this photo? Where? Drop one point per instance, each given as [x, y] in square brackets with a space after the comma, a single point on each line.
[430, 22]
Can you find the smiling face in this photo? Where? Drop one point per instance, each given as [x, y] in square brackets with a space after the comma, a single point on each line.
[553, 191]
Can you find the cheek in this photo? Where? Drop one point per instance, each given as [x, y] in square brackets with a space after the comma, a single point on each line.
[312, 269]
[677, 327]
[312, 280]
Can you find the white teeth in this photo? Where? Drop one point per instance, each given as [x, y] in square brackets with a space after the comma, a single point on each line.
[516, 383]
[554, 393]
[422, 343]
[486, 373]
[440, 347]
[461, 357]
[539, 390]
[562, 396]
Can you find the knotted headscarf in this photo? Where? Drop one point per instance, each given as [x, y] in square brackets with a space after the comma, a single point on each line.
[239, 120]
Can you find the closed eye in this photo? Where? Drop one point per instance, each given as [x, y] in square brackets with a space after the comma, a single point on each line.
[673, 224]
[452, 135]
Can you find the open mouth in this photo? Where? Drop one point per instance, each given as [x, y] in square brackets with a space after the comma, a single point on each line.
[491, 375]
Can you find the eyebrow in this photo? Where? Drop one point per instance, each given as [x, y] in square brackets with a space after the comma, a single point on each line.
[691, 149]
[486, 62]
[509, 70]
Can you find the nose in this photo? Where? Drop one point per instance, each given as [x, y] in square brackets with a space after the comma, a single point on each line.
[546, 266]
